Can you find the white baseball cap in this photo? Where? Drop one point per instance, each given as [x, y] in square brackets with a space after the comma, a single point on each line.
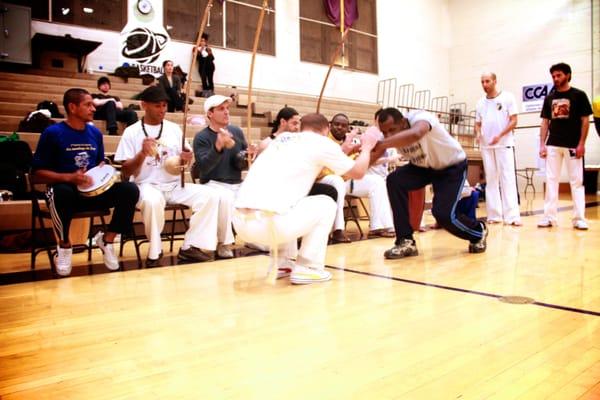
[215, 101]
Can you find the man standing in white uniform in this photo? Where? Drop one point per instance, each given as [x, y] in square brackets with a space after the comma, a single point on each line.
[495, 119]
[144, 149]
[272, 205]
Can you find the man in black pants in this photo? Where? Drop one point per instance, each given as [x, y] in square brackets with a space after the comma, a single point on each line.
[64, 152]
[434, 157]
[110, 108]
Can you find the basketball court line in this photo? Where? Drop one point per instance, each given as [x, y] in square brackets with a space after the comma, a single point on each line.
[461, 290]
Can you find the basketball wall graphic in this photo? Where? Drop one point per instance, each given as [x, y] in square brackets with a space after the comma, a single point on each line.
[144, 38]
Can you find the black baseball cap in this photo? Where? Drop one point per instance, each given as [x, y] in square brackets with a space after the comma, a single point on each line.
[154, 94]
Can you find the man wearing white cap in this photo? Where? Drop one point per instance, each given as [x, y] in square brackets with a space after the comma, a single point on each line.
[151, 152]
[220, 151]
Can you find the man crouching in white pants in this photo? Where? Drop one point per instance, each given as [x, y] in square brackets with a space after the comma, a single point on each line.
[272, 204]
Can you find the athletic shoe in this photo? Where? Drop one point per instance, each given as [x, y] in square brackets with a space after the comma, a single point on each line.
[110, 256]
[339, 236]
[305, 275]
[493, 221]
[285, 268]
[153, 263]
[384, 233]
[406, 248]
[283, 272]
[224, 251]
[62, 261]
[580, 225]
[194, 254]
[545, 222]
[481, 245]
[514, 223]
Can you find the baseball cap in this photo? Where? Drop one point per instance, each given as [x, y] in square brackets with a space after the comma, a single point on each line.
[154, 94]
[215, 101]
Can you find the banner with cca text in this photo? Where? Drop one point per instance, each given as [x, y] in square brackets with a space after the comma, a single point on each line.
[144, 38]
[533, 96]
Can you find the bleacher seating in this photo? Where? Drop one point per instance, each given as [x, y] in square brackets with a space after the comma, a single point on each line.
[21, 92]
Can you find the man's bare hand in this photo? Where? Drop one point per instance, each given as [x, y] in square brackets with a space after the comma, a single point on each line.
[377, 152]
[370, 138]
[543, 151]
[224, 139]
[186, 156]
[149, 147]
[79, 178]
[580, 151]
[495, 140]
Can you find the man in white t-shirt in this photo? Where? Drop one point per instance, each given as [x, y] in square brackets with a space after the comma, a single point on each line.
[495, 119]
[145, 149]
[434, 158]
[272, 205]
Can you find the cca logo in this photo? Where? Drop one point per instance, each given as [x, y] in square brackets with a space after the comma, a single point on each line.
[535, 92]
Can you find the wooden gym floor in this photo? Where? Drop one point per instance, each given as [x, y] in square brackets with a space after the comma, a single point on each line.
[427, 327]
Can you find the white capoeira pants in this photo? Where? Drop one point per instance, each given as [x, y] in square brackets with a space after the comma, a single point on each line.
[499, 166]
[338, 183]
[204, 203]
[227, 194]
[373, 186]
[554, 160]
[310, 219]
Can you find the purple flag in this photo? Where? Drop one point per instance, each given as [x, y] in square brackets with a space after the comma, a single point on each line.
[332, 8]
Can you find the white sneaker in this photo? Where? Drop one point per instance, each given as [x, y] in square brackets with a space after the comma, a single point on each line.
[110, 257]
[305, 275]
[581, 225]
[62, 261]
[545, 222]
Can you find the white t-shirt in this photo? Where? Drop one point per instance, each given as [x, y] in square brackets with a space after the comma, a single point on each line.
[494, 114]
[286, 170]
[437, 149]
[152, 169]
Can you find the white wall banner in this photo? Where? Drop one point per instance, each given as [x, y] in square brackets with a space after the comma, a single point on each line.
[144, 38]
[533, 96]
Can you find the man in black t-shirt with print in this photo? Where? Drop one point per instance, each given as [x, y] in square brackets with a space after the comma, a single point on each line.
[565, 116]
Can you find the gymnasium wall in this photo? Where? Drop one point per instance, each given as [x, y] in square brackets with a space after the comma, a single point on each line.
[440, 45]
[519, 41]
[409, 45]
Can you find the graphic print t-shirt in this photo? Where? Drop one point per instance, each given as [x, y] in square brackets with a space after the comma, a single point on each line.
[437, 149]
[564, 111]
[64, 149]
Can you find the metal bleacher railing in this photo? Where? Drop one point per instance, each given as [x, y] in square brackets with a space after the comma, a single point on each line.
[455, 118]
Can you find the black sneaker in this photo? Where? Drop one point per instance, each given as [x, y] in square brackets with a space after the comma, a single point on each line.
[194, 254]
[481, 245]
[152, 263]
[406, 248]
